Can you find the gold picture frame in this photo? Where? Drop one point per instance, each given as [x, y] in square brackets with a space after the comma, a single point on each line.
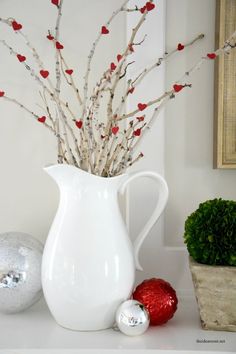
[225, 89]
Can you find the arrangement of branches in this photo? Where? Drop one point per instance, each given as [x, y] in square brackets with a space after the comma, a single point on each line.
[101, 148]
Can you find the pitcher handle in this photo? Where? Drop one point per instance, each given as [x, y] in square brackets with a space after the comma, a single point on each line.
[161, 203]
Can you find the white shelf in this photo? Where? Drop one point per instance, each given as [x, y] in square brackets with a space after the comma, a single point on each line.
[35, 331]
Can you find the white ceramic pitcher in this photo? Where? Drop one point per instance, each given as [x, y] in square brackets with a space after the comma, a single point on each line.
[89, 262]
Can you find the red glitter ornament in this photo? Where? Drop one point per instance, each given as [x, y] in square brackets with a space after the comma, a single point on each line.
[160, 299]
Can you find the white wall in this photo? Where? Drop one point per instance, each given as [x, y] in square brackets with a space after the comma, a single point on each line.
[179, 146]
[189, 119]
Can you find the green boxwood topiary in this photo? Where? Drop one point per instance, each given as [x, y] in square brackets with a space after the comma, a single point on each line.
[210, 232]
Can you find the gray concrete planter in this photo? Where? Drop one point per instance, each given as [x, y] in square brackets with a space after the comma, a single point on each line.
[215, 290]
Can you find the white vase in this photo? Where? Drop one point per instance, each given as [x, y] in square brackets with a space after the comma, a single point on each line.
[88, 266]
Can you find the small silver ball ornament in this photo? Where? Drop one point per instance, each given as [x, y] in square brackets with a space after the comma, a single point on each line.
[20, 271]
[132, 318]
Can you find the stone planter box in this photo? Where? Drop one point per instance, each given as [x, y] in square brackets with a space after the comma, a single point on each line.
[215, 290]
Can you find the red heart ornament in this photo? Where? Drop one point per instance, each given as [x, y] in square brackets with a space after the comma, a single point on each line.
[131, 90]
[69, 71]
[2, 93]
[119, 57]
[16, 26]
[50, 37]
[59, 45]
[137, 132]
[21, 58]
[143, 9]
[79, 123]
[104, 30]
[150, 6]
[44, 73]
[180, 46]
[140, 119]
[211, 55]
[177, 87]
[131, 48]
[42, 119]
[142, 106]
[115, 130]
[55, 2]
[113, 66]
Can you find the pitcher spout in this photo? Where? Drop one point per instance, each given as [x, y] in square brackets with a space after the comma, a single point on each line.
[62, 174]
[68, 176]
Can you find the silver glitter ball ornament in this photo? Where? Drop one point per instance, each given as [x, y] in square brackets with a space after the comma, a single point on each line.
[132, 318]
[20, 271]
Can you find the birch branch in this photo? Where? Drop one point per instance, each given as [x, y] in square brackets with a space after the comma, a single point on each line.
[57, 90]
[160, 60]
[31, 47]
[226, 47]
[71, 81]
[26, 109]
[116, 74]
[91, 55]
[72, 159]
[27, 42]
[47, 109]
[32, 72]
[134, 83]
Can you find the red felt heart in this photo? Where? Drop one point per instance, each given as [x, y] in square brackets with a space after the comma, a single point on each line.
[211, 55]
[44, 73]
[150, 6]
[177, 87]
[180, 46]
[69, 71]
[59, 45]
[104, 30]
[115, 130]
[42, 119]
[113, 66]
[131, 48]
[119, 57]
[79, 123]
[142, 106]
[2, 93]
[131, 90]
[50, 37]
[140, 119]
[137, 132]
[21, 58]
[16, 26]
[143, 9]
[55, 2]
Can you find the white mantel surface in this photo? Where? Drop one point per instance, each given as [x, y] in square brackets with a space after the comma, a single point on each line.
[35, 332]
